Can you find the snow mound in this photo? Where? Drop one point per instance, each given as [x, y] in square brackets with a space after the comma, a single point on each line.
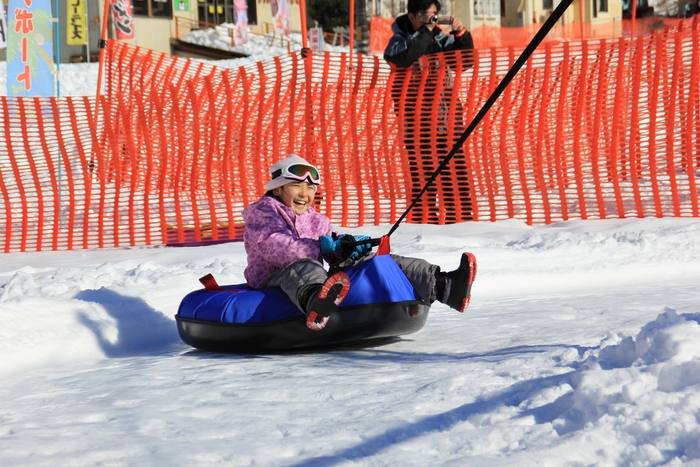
[637, 386]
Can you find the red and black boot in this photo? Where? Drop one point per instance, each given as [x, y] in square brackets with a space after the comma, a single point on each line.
[330, 295]
[460, 283]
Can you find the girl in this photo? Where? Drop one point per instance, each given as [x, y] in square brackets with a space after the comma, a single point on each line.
[287, 241]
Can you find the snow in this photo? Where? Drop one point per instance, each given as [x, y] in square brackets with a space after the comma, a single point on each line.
[258, 45]
[581, 347]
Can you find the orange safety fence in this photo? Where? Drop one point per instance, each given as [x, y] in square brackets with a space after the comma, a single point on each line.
[486, 36]
[587, 130]
[47, 196]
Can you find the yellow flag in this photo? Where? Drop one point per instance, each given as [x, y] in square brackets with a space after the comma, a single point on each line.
[77, 22]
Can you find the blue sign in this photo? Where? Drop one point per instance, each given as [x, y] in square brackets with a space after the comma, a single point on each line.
[30, 62]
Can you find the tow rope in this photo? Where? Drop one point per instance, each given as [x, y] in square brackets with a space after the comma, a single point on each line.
[514, 69]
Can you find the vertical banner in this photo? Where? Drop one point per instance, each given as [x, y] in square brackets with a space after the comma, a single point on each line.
[30, 49]
[3, 27]
[316, 39]
[240, 31]
[123, 19]
[280, 17]
[77, 22]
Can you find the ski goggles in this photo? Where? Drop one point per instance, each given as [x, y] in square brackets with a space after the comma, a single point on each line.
[301, 172]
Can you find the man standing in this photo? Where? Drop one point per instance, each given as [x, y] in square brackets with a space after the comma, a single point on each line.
[431, 112]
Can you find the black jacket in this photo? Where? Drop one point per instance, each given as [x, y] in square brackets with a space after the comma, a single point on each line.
[407, 46]
[404, 51]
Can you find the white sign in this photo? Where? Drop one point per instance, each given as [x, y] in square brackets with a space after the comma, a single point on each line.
[316, 39]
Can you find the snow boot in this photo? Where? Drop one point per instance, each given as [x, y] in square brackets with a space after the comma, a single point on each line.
[460, 283]
[329, 296]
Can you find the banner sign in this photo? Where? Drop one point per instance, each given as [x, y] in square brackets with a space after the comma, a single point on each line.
[240, 32]
[77, 22]
[3, 28]
[30, 49]
[123, 19]
[280, 17]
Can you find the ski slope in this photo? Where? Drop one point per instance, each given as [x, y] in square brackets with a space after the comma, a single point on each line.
[580, 347]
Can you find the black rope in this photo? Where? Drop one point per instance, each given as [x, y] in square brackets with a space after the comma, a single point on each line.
[534, 43]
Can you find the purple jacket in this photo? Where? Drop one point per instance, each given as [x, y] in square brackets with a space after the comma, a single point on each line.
[276, 236]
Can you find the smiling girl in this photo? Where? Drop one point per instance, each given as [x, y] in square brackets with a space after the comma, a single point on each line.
[287, 241]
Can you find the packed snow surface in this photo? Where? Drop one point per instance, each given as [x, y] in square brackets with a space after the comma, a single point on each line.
[581, 347]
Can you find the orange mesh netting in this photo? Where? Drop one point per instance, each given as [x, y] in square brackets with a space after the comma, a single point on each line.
[47, 199]
[594, 129]
[486, 36]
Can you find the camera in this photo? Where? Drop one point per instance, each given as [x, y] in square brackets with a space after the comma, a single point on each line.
[435, 19]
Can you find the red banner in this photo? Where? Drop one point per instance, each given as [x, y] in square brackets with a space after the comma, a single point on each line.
[123, 19]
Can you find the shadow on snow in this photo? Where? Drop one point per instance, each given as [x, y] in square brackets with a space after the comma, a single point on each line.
[141, 329]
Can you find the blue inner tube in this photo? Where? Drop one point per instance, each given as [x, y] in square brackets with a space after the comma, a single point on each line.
[381, 303]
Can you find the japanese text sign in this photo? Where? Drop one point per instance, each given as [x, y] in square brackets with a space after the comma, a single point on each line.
[30, 49]
[77, 22]
[123, 19]
[3, 28]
